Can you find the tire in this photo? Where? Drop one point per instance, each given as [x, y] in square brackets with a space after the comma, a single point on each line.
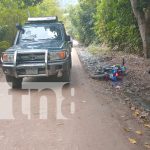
[66, 75]
[70, 60]
[15, 83]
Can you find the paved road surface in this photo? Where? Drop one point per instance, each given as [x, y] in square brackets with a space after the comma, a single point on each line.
[89, 125]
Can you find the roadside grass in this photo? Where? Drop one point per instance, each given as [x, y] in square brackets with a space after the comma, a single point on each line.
[96, 49]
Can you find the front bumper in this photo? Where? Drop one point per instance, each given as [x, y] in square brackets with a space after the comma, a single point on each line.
[35, 68]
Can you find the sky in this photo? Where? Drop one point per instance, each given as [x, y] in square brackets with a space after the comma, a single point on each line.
[64, 3]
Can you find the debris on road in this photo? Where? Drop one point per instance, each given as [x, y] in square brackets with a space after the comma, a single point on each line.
[132, 141]
[147, 125]
[135, 88]
[139, 132]
[144, 115]
[147, 145]
[136, 113]
[113, 73]
[127, 129]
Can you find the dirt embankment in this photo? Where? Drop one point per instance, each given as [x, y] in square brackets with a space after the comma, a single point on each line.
[135, 87]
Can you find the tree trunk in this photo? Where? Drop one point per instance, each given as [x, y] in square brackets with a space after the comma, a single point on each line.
[143, 19]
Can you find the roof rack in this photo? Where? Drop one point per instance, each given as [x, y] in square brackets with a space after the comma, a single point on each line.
[43, 19]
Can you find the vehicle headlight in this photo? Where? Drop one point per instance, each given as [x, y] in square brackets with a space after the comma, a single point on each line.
[8, 57]
[57, 55]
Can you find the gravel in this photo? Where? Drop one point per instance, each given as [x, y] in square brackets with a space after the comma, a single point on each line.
[135, 86]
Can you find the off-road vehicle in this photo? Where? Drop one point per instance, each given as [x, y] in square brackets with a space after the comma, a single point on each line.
[41, 48]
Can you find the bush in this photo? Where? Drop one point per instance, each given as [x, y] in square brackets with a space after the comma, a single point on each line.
[116, 25]
[3, 46]
[97, 49]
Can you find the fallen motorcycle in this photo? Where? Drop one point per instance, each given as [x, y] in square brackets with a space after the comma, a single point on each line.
[113, 73]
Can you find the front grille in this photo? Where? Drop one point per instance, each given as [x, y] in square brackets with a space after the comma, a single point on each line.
[30, 58]
[23, 71]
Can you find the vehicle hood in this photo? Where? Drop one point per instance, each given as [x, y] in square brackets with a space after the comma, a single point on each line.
[55, 45]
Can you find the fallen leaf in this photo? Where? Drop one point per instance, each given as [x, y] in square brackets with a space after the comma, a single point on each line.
[147, 125]
[139, 132]
[127, 129]
[132, 108]
[122, 116]
[147, 145]
[136, 113]
[132, 141]
[59, 124]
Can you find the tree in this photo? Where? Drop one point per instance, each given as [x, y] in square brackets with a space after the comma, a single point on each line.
[31, 2]
[141, 9]
[106, 21]
[47, 8]
[21, 3]
[82, 20]
[15, 11]
[116, 25]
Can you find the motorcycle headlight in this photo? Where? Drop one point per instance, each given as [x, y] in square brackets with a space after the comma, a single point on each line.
[8, 57]
[57, 55]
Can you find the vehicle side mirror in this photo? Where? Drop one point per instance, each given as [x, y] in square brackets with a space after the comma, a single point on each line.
[19, 27]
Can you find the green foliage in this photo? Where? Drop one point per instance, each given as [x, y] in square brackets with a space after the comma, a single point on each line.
[107, 21]
[30, 2]
[17, 11]
[82, 21]
[9, 17]
[3, 46]
[47, 8]
[20, 3]
[115, 25]
[97, 49]
[143, 4]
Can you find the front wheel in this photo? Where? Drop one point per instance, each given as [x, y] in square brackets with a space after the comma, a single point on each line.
[66, 75]
[15, 83]
[70, 59]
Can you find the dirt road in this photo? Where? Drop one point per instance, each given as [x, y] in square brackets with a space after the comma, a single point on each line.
[89, 123]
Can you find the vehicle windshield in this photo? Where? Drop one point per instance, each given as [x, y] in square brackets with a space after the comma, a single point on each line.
[40, 32]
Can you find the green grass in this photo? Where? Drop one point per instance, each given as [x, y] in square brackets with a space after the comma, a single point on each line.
[98, 49]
